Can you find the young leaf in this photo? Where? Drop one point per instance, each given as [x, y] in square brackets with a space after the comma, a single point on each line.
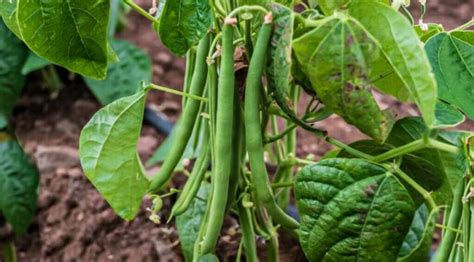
[432, 30]
[417, 243]
[351, 210]
[399, 44]
[12, 56]
[453, 64]
[447, 116]
[183, 23]
[109, 156]
[72, 34]
[19, 181]
[124, 76]
[336, 57]
[189, 222]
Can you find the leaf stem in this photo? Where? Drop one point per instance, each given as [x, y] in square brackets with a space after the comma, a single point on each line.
[432, 143]
[349, 149]
[405, 149]
[141, 11]
[176, 92]
[464, 26]
[426, 195]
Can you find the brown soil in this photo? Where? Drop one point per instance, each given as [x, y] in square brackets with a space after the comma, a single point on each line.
[74, 223]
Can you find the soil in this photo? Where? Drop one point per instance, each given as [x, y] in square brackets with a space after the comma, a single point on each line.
[74, 223]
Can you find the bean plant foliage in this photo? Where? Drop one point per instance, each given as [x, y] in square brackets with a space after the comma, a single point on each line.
[257, 71]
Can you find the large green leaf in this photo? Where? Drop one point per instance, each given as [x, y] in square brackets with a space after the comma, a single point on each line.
[403, 57]
[109, 156]
[19, 181]
[336, 57]
[183, 23]
[417, 243]
[124, 77]
[70, 33]
[8, 10]
[12, 57]
[351, 210]
[452, 58]
[189, 222]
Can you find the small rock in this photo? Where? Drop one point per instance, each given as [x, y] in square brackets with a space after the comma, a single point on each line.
[75, 172]
[46, 199]
[73, 251]
[50, 158]
[67, 127]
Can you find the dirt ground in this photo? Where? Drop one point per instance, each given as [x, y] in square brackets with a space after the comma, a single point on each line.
[74, 223]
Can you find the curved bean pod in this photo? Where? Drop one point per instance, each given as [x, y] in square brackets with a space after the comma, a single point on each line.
[187, 121]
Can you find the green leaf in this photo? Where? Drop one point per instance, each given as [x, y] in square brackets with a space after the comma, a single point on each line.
[8, 11]
[183, 23]
[447, 116]
[189, 222]
[403, 57]
[453, 65]
[336, 56]
[19, 181]
[72, 34]
[124, 77]
[12, 56]
[351, 210]
[432, 30]
[417, 243]
[109, 156]
[329, 6]
[33, 63]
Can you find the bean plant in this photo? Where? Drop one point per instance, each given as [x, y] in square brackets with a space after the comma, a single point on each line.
[258, 71]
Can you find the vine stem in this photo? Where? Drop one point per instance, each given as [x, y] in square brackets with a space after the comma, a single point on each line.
[141, 11]
[247, 8]
[464, 26]
[176, 92]
[426, 195]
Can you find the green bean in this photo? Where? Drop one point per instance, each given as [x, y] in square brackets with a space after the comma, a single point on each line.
[190, 62]
[253, 129]
[187, 121]
[223, 141]
[248, 233]
[191, 187]
[453, 221]
[238, 149]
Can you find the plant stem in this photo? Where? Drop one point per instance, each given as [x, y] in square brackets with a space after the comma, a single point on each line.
[405, 149]
[349, 149]
[426, 195]
[432, 143]
[465, 26]
[141, 11]
[247, 8]
[177, 92]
